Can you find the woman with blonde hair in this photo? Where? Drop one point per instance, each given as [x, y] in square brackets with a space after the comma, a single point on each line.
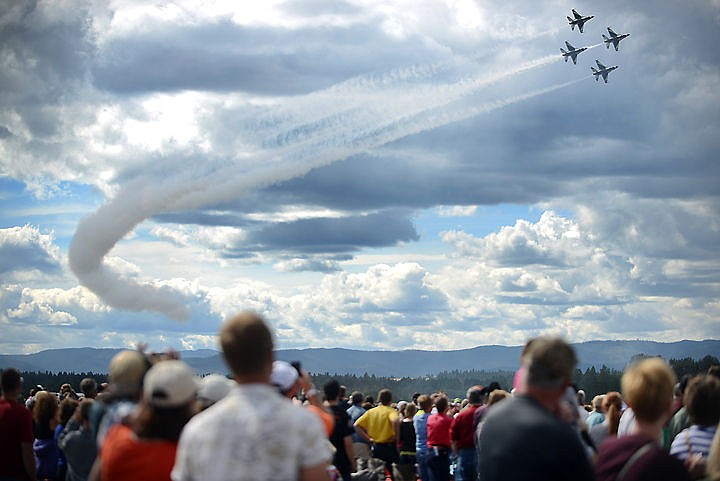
[648, 389]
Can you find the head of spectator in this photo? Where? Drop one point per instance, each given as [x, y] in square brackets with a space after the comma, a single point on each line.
[714, 370]
[597, 403]
[66, 410]
[702, 400]
[66, 391]
[474, 395]
[247, 346]
[370, 400]
[496, 396]
[441, 404]
[331, 389]
[45, 408]
[11, 383]
[214, 388]
[356, 398]
[285, 377]
[410, 411]
[89, 388]
[401, 407]
[169, 391]
[343, 393]
[385, 397]
[647, 387]
[549, 364]
[425, 403]
[127, 370]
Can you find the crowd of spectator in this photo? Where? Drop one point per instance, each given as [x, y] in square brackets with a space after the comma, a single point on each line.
[157, 420]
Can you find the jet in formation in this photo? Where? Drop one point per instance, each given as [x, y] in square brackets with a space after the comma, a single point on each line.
[571, 52]
[602, 70]
[614, 38]
[579, 20]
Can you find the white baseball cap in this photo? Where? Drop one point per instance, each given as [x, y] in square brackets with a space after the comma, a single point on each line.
[170, 383]
[284, 375]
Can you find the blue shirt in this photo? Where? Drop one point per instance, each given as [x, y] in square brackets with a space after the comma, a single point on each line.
[355, 411]
[420, 423]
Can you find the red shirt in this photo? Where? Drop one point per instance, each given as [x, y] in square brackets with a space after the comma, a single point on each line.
[15, 429]
[438, 430]
[461, 428]
[125, 456]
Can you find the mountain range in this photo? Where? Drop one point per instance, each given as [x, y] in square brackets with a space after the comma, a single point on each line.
[407, 363]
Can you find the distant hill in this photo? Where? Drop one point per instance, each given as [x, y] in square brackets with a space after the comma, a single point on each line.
[409, 363]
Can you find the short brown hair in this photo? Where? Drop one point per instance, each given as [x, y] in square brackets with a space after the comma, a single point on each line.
[425, 402]
[702, 400]
[247, 343]
[385, 397]
[647, 387]
[550, 362]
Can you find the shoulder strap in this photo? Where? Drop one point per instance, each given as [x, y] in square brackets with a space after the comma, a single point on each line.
[633, 459]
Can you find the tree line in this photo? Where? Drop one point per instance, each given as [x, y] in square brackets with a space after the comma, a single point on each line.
[455, 383]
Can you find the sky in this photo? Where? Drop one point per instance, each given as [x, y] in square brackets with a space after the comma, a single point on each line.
[366, 174]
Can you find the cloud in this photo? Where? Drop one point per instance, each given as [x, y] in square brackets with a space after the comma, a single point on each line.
[27, 249]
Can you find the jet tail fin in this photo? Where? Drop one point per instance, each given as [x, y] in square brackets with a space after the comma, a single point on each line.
[607, 41]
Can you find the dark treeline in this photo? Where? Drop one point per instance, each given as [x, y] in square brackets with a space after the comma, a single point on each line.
[455, 383]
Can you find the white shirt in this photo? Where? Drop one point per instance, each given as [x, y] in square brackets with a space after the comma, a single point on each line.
[252, 434]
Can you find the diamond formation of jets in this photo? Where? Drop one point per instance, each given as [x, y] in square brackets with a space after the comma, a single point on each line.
[614, 38]
[571, 52]
[578, 20]
[602, 70]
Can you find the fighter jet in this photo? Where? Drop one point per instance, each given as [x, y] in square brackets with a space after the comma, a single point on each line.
[572, 52]
[579, 20]
[614, 38]
[602, 70]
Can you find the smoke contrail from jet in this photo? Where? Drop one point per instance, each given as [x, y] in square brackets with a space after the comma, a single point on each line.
[345, 126]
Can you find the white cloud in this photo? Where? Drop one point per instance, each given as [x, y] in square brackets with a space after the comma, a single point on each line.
[27, 249]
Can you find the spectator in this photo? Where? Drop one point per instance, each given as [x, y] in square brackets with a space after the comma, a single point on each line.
[438, 441]
[378, 426]
[77, 443]
[145, 451]
[361, 447]
[341, 436]
[612, 407]
[406, 445]
[66, 411]
[44, 446]
[680, 420]
[522, 438]
[420, 424]
[597, 415]
[89, 388]
[253, 433]
[66, 391]
[495, 397]
[214, 388]
[16, 430]
[647, 387]
[127, 370]
[291, 379]
[462, 435]
[702, 401]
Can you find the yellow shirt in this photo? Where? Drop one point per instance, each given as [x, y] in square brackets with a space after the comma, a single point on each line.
[378, 422]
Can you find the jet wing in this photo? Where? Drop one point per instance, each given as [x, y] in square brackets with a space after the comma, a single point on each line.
[570, 47]
[577, 15]
[612, 34]
[601, 66]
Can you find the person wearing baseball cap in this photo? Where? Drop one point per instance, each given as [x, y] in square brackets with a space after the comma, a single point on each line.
[146, 449]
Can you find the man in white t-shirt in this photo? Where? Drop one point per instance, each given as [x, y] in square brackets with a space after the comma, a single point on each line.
[253, 433]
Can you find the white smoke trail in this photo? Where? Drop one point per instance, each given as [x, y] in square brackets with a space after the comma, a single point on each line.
[341, 133]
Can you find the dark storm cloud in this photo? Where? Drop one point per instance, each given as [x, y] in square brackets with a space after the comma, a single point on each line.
[331, 235]
[203, 218]
[228, 57]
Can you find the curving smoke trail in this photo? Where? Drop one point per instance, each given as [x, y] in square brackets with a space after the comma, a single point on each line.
[344, 120]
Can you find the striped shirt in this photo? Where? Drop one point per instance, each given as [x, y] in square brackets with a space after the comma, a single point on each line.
[695, 439]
